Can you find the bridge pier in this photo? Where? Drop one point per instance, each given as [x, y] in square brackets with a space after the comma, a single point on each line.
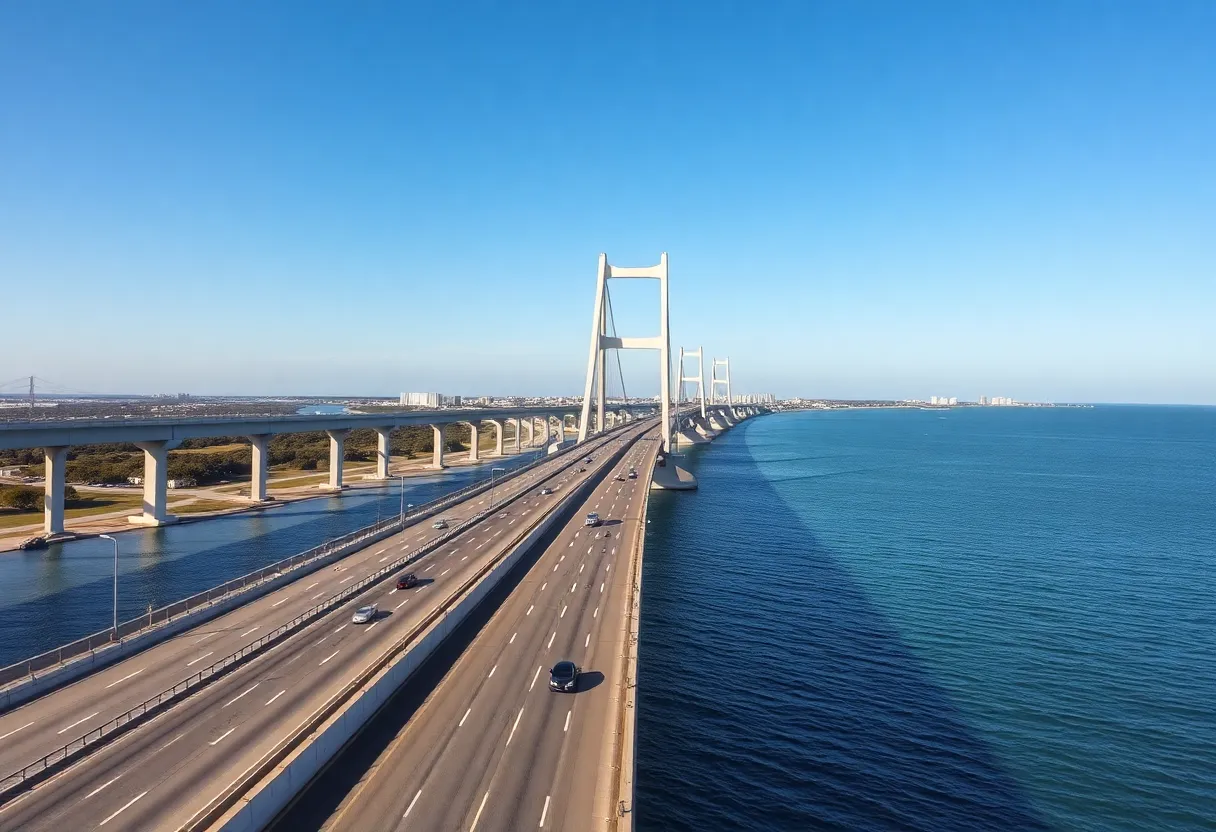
[518, 428]
[384, 453]
[499, 430]
[56, 463]
[437, 454]
[156, 483]
[337, 455]
[474, 441]
[259, 446]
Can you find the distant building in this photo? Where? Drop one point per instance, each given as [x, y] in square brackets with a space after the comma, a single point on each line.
[182, 482]
[135, 480]
[10, 471]
[982, 401]
[954, 400]
[421, 399]
[933, 400]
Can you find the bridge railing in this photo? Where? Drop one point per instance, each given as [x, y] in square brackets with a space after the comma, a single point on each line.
[159, 617]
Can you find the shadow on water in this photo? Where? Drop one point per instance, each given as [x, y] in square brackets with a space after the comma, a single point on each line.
[774, 695]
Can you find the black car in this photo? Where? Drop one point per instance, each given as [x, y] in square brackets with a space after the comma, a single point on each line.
[564, 676]
[407, 581]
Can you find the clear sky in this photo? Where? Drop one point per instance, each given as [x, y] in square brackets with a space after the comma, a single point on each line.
[859, 199]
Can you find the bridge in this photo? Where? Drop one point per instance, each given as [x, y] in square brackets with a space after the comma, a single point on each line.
[230, 716]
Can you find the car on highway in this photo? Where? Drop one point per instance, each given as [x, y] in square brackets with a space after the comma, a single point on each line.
[619, 478]
[586, 460]
[564, 676]
[593, 519]
[545, 492]
[439, 524]
[633, 473]
[407, 581]
[364, 614]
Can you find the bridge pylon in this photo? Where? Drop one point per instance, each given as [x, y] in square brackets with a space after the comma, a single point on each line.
[601, 342]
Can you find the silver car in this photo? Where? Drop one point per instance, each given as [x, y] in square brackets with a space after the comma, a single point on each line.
[364, 614]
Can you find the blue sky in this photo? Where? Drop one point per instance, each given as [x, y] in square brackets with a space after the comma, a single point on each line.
[858, 198]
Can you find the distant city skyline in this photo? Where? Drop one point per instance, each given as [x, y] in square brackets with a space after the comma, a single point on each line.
[858, 201]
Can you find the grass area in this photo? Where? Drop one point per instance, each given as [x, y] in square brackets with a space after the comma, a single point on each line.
[76, 508]
[297, 482]
[214, 449]
[203, 505]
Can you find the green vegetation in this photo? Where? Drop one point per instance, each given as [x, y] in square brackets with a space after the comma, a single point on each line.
[74, 507]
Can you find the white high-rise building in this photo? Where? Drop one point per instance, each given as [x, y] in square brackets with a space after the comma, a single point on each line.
[933, 400]
[421, 399]
[954, 400]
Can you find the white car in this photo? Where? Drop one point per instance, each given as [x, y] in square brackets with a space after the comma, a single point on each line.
[364, 614]
[593, 519]
[439, 524]
[545, 492]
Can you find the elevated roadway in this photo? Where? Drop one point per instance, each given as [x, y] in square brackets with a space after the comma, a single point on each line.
[159, 774]
[491, 747]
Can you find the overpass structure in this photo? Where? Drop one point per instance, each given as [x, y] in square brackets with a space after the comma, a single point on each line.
[277, 689]
[156, 437]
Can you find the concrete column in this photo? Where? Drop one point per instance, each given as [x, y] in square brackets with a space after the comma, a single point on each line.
[437, 459]
[499, 429]
[156, 475]
[56, 460]
[536, 431]
[474, 441]
[383, 452]
[518, 428]
[259, 445]
[337, 454]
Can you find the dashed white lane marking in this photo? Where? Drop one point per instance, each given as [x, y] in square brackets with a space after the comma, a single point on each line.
[311, 585]
[340, 629]
[516, 725]
[563, 615]
[555, 566]
[125, 807]
[347, 578]
[550, 644]
[379, 551]
[492, 669]
[567, 726]
[99, 788]
[170, 742]
[614, 550]
[463, 718]
[393, 591]
[15, 730]
[534, 675]
[386, 557]
[444, 572]
[601, 587]
[429, 568]
[477, 816]
[596, 613]
[411, 806]
[371, 627]
[589, 548]
[321, 641]
[315, 597]
[608, 568]
[581, 567]
[327, 658]
[250, 630]
[276, 696]
[573, 586]
[112, 684]
[218, 739]
[199, 659]
[402, 604]
[587, 643]
[571, 544]
[239, 695]
[544, 812]
[463, 559]
[513, 635]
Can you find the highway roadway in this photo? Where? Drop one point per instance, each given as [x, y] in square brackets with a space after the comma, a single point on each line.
[492, 748]
[161, 773]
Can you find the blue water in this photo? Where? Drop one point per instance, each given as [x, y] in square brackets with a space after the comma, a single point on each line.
[322, 409]
[901, 619]
[56, 596]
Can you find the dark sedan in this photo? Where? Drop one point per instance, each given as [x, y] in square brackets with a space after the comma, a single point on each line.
[564, 676]
[407, 581]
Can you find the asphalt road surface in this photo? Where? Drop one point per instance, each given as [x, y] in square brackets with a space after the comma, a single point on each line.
[492, 748]
[158, 775]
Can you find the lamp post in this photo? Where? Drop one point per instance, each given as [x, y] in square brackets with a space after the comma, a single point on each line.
[115, 542]
[492, 471]
[402, 478]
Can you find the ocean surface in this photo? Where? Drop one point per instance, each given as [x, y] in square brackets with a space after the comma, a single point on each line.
[53, 597]
[901, 619]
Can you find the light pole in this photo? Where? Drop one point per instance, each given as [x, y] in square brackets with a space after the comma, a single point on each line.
[115, 542]
[402, 478]
[492, 470]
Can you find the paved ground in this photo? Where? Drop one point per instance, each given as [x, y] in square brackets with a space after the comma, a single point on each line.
[492, 747]
[160, 774]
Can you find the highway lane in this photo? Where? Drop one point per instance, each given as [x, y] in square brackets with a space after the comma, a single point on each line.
[39, 727]
[492, 747]
[160, 774]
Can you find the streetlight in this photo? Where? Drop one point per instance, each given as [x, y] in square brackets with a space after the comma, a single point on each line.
[115, 542]
[492, 470]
